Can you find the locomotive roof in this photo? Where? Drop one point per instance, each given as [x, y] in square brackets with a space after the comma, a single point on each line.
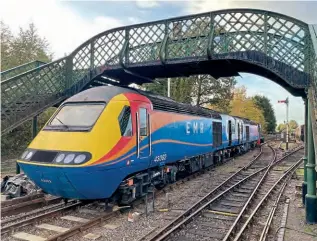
[102, 93]
[106, 93]
[246, 121]
[167, 104]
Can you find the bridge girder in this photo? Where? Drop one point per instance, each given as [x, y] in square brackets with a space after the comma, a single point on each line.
[270, 44]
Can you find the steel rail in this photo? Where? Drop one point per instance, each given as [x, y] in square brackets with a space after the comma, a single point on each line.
[198, 206]
[272, 213]
[28, 205]
[248, 222]
[234, 225]
[17, 200]
[81, 227]
[106, 216]
[183, 218]
[38, 217]
[32, 213]
[273, 163]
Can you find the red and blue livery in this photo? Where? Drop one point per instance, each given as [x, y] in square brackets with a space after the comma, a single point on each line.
[114, 143]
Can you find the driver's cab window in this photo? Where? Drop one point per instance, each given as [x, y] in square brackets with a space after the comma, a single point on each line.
[143, 122]
[125, 121]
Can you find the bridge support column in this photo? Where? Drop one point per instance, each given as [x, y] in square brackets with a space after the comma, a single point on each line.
[304, 185]
[34, 133]
[34, 126]
[17, 168]
[311, 199]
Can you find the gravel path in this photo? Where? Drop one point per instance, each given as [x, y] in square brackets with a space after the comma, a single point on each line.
[296, 216]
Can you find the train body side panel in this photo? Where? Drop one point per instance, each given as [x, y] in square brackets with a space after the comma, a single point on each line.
[181, 137]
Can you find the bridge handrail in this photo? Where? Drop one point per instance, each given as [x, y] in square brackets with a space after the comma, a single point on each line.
[233, 10]
[44, 65]
[123, 45]
[17, 70]
[166, 22]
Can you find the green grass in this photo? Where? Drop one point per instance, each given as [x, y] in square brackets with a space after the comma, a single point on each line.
[300, 172]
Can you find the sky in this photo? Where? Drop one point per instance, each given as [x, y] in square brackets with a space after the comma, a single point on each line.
[67, 24]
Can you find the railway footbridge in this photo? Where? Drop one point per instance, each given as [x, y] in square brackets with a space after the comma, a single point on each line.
[221, 43]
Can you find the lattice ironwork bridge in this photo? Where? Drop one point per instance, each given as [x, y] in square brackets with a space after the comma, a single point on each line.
[221, 43]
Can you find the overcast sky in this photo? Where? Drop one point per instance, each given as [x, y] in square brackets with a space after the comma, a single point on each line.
[67, 24]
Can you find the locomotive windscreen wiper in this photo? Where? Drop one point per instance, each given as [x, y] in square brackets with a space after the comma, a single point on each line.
[61, 122]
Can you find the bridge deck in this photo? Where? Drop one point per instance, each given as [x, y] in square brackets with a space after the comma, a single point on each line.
[275, 45]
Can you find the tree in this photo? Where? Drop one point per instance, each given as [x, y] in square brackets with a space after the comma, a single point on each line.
[265, 105]
[158, 87]
[180, 88]
[281, 127]
[208, 90]
[292, 124]
[14, 142]
[200, 90]
[6, 43]
[27, 46]
[243, 106]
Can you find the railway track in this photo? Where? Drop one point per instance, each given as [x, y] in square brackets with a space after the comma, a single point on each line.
[38, 214]
[26, 204]
[219, 214]
[260, 215]
[16, 224]
[90, 217]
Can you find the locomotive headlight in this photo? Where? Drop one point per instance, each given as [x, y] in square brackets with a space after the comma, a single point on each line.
[69, 158]
[80, 158]
[72, 157]
[29, 155]
[60, 158]
[24, 154]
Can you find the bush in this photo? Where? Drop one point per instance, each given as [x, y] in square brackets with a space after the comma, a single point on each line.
[15, 142]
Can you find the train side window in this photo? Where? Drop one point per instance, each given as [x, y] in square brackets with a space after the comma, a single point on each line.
[143, 122]
[125, 121]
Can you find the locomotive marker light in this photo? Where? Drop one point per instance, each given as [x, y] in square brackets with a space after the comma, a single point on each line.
[286, 102]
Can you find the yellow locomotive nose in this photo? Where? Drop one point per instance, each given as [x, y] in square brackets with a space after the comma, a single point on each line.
[98, 140]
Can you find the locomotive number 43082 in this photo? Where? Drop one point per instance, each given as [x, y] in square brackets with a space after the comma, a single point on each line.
[160, 158]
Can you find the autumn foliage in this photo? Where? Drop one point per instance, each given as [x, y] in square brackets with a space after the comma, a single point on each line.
[243, 106]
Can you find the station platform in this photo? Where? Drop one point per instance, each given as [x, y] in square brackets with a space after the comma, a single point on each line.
[296, 226]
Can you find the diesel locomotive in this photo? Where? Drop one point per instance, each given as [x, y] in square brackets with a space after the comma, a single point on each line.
[114, 143]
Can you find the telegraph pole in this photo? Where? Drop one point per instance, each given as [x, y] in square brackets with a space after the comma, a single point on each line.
[286, 102]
